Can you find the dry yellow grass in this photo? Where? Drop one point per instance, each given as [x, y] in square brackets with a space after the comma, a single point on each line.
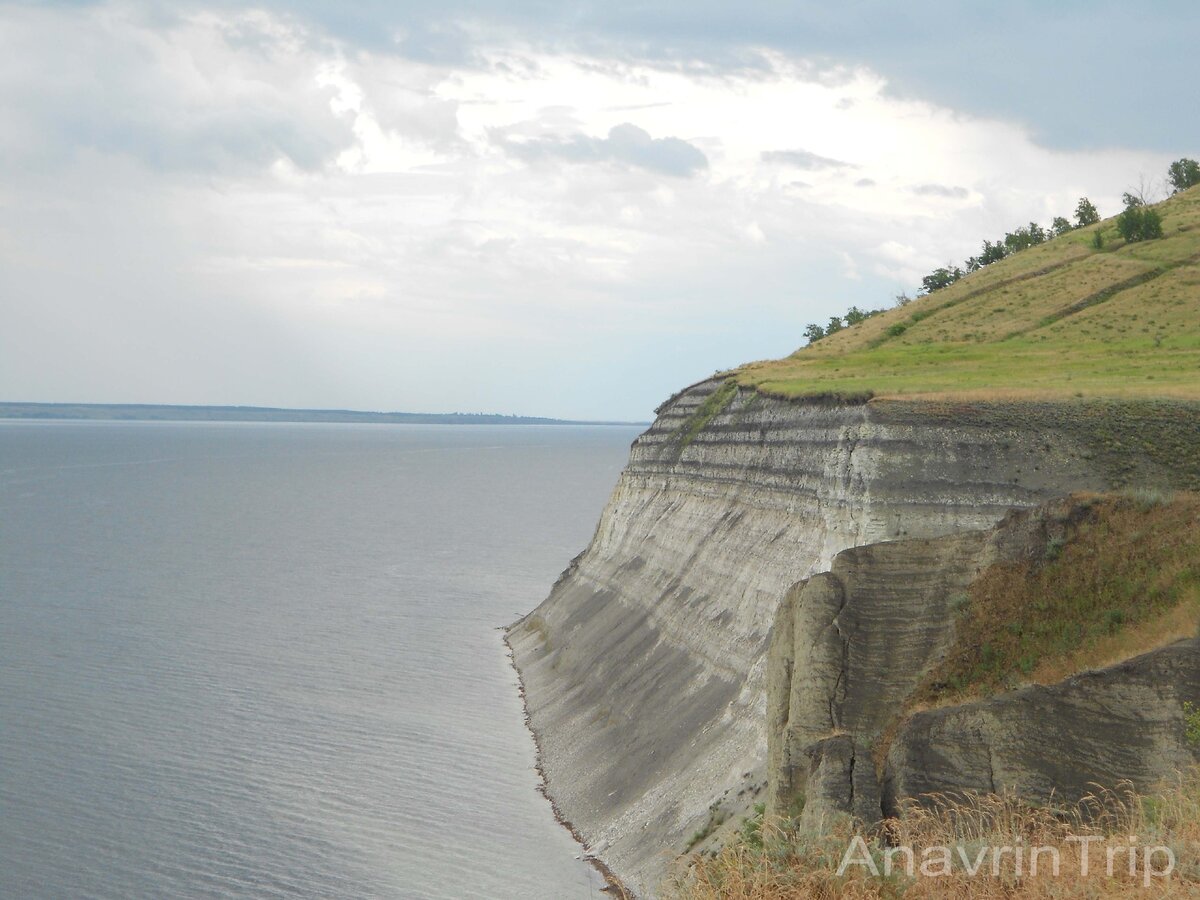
[1124, 580]
[1175, 624]
[790, 867]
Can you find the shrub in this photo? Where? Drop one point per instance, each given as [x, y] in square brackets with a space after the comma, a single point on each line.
[1151, 224]
[1191, 722]
[1148, 498]
[1139, 222]
[751, 832]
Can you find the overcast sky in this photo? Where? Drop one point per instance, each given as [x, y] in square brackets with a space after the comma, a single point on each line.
[549, 208]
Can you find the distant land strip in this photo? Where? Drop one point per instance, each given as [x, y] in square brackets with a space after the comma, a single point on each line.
[146, 412]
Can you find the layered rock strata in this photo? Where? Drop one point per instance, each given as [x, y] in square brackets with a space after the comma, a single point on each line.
[645, 668]
[852, 646]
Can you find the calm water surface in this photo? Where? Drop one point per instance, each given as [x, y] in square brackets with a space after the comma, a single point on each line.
[242, 660]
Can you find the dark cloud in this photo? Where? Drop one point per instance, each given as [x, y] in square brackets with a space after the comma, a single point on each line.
[941, 190]
[1026, 60]
[626, 143]
[804, 159]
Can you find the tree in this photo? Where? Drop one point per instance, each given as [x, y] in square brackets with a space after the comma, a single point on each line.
[902, 299]
[854, 315]
[1139, 222]
[1086, 213]
[941, 278]
[1061, 226]
[835, 325]
[1183, 174]
[1024, 238]
[814, 333]
[992, 252]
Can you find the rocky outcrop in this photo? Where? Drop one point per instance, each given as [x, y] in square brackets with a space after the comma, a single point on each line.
[1125, 722]
[852, 646]
[645, 668]
[841, 781]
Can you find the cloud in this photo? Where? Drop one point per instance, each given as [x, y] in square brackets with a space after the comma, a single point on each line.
[626, 144]
[1026, 62]
[804, 159]
[199, 94]
[281, 208]
[941, 190]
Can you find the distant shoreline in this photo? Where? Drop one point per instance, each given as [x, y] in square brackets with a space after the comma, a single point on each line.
[149, 412]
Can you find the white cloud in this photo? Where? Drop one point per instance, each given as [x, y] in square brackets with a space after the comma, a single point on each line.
[234, 209]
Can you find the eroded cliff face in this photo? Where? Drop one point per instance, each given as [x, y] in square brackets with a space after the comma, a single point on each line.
[853, 647]
[645, 668]
[1121, 723]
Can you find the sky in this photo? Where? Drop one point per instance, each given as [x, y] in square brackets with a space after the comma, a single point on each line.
[566, 209]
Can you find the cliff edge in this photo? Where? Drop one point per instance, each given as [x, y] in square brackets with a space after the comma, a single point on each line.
[899, 442]
[1051, 653]
[645, 668]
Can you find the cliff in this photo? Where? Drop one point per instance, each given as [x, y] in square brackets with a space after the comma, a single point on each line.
[912, 667]
[645, 669]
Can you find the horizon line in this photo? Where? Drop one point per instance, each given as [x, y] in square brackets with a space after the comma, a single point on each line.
[19, 409]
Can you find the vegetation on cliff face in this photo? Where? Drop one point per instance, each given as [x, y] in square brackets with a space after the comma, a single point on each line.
[1123, 580]
[1060, 320]
[782, 864]
[706, 412]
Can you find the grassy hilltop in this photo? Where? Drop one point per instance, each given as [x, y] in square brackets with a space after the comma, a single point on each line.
[1060, 320]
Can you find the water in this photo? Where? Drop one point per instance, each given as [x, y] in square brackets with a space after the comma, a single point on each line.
[242, 660]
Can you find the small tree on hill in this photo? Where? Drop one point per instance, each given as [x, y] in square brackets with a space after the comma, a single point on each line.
[854, 315]
[1086, 213]
[992, 252]
[940, 278]
[814, 333]
[1025, 237]
[1139, 222]
[1061, 226]
[1183, 174]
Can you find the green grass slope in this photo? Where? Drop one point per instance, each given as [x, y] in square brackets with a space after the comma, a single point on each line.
[1059, 320]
